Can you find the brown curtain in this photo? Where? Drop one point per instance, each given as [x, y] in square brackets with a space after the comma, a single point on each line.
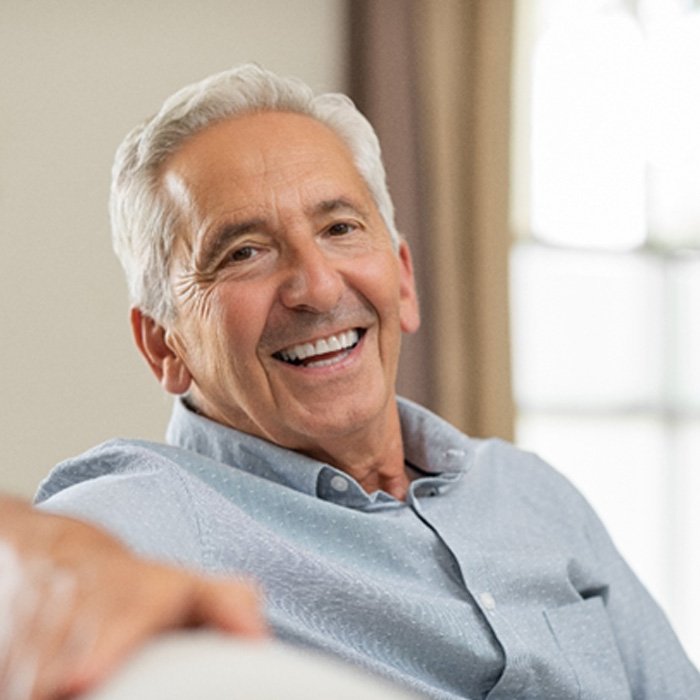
[433, 76]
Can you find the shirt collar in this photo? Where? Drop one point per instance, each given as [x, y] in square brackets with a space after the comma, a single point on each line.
[234, 448]
[431, 445]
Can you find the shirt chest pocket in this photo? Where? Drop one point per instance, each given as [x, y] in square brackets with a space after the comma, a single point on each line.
[583, 633]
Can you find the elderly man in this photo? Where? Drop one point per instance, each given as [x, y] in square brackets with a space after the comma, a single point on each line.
[270, 290]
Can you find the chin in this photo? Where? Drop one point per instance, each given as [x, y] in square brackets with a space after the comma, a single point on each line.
[338, 418]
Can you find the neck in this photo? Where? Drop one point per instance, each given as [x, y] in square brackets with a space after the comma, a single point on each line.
[373, 457]
[372, 454]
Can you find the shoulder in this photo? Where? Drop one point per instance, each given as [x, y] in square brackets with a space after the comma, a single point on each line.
[513, 480]
[131, 458]
[510, 462]
[136, 490]
[504, 472]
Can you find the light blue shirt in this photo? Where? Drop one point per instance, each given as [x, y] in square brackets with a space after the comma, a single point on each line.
[494, 579]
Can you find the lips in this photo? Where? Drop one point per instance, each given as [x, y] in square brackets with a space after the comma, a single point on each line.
[322, 351]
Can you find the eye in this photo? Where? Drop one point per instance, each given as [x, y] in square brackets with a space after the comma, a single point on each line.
[341, 228]
[242, 254]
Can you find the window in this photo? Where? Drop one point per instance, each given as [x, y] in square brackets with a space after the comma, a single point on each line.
[605, 273]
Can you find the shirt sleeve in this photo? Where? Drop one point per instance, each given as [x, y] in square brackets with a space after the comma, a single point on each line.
[656, 664]
[135, 495]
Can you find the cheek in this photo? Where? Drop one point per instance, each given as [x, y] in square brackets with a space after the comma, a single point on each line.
[379, 283]
[236, 326]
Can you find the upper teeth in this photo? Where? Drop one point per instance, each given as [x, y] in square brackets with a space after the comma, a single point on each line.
[332, 343]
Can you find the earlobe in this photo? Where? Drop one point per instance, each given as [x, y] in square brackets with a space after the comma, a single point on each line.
[408, 310]
[151, 340]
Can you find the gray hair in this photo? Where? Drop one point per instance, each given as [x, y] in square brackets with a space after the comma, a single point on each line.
[144, 221]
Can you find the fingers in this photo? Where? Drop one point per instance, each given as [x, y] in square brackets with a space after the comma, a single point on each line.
[233, 606]
[163, 598]
[37, 599]
[77, 603]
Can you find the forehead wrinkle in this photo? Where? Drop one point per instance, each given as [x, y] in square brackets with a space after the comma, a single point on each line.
[337, 204]
[287, 185]
[204, 235]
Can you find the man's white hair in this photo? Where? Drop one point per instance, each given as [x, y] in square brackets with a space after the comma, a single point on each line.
[144, 221]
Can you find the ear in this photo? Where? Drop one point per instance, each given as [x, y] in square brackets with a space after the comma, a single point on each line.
[409, 312]
[152, 340]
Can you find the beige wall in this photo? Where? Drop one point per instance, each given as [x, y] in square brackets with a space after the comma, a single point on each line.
[75, 75]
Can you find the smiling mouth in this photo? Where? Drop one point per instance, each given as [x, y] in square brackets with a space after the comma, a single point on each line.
[322, 352]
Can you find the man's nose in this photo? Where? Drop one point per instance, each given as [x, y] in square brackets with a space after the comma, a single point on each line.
[312, 282]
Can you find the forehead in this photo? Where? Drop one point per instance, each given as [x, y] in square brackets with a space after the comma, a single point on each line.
[251, 157]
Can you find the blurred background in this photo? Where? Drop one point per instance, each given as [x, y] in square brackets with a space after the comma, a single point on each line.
[544, 157]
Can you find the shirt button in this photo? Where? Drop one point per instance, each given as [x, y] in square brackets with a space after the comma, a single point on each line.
[339, 484]
[487, 601]
[454, 454]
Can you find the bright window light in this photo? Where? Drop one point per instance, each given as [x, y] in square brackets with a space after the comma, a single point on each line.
[605, 278]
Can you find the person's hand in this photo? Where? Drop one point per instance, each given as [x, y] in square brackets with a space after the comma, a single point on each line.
[74, 602]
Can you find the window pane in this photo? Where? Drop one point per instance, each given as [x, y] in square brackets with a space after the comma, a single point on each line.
[618, 464]
[674, 115]
[686, 544]
[585, 329]
[685, 366]
[674, 202]
[588, 130]
[606, 338]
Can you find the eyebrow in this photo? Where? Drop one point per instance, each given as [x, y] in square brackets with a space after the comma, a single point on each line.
[221, 238]
[330, 206]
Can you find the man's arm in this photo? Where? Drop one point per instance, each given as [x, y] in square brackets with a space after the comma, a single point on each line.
[74, 602]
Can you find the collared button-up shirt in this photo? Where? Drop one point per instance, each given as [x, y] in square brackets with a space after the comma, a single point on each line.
[493, 579]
